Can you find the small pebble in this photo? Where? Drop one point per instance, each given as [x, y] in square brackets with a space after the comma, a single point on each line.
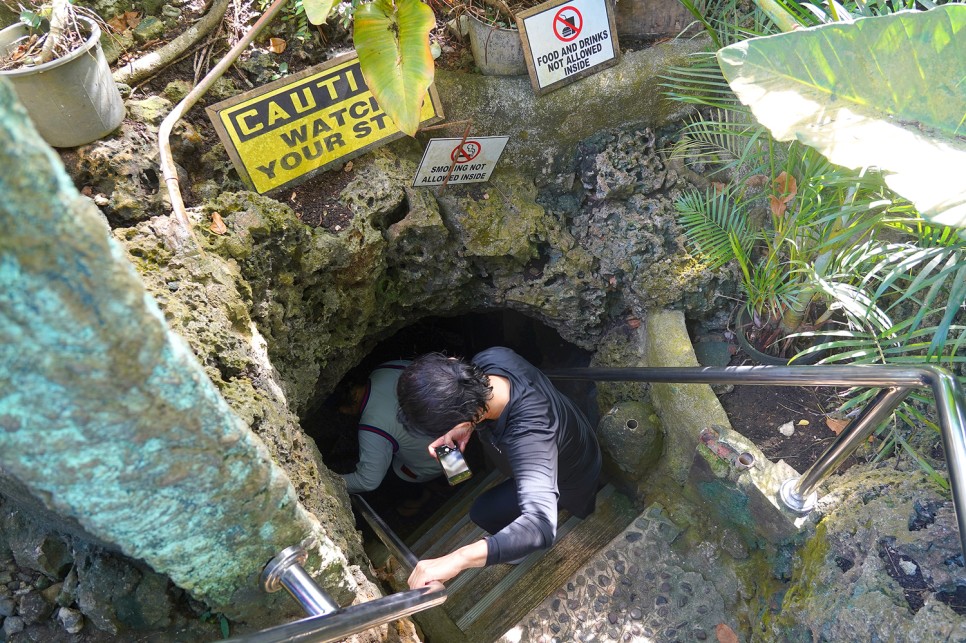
[70, 619]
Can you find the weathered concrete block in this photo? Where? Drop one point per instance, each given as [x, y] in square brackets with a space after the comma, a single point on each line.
[684, 408]
[741, 486]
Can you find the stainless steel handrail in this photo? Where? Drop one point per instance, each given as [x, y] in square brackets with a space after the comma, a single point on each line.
[396, 546]
[327, 622]
[353, 619]
[896, 381]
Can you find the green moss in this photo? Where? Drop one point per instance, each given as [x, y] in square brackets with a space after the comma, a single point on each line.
[805, 585]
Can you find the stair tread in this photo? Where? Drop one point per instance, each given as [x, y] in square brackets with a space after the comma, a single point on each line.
[450, 516]
[483, 603]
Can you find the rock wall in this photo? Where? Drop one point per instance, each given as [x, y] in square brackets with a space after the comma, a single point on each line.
[883, 562]
[276, 311]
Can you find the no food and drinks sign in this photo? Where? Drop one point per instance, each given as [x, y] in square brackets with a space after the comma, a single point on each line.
[564, 41]
[282, 132]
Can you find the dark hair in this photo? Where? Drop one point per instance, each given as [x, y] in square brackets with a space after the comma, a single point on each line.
[437, 392]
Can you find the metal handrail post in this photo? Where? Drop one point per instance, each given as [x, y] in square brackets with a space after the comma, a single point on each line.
[285, 570]
[951, 405]
[388, 537]
[797, 496]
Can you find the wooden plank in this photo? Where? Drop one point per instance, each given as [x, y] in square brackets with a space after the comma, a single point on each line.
[516, 573]
[452, 513]
[553, 569]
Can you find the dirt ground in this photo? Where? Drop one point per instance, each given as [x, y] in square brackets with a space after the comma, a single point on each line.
[758, 413]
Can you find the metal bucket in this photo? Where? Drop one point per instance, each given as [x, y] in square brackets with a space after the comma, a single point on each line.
[497, 51]
[71, 100]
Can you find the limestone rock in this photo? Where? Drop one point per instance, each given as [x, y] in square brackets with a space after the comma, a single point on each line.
[545, 130]
[622, 345]
[632, 439]
[35, 547]
[149, 28]
[34, 608]
[70, 619]
[848, 580]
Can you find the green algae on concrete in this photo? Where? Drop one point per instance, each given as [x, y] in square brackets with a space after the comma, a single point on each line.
[740, 487]
[108, 418]
[685, 409]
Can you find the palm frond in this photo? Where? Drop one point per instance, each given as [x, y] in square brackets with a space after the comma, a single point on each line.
[713, 224]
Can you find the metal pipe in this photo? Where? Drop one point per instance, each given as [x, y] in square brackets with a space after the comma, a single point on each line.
[857, 375]
[388, 537]
[168, 169]
[352, 619]
[858, 430]
[285, 570]
[951, 405]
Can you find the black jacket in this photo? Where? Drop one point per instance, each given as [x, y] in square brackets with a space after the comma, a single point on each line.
[547, 446]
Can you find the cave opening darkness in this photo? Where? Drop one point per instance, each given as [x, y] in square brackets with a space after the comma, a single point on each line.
[335, 433]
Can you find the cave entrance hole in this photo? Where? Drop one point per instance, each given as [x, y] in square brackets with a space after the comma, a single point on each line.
[336, 433]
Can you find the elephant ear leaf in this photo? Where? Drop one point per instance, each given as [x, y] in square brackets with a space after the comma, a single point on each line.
[317, 11]
[392, 40]
[886, 92]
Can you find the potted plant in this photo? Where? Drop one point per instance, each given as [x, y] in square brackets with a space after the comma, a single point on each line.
[494, 39]
[60, 74]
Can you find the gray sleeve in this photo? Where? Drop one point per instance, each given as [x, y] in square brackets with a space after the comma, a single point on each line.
[375, 456]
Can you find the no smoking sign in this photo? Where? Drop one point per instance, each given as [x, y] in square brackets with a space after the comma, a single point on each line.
[565, 41]
[469, 161]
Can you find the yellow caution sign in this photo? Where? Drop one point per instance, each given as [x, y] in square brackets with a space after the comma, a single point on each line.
[282, 132]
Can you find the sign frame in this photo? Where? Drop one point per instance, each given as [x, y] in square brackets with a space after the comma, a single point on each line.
[267, 90]
[451, 162]
[555, 6]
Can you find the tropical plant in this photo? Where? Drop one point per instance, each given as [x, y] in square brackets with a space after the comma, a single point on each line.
[392, 40]
[901, 109]
[896, 281]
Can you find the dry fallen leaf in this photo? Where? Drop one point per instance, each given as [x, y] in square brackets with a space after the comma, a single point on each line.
[776, 205]
[836, 424]
[348, 167]
[125, 21]
[276, 45]
[786, 186]
[217, 224]
[725, 634]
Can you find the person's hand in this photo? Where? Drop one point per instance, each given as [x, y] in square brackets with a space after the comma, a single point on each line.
[440, 569]
[458, 437]
[446, 567]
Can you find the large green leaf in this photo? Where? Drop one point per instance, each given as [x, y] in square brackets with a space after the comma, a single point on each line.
[317, 11]
[392, 39]
[886, 92]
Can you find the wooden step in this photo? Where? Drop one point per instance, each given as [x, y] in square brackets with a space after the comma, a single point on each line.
[451, 517]
[485, 603]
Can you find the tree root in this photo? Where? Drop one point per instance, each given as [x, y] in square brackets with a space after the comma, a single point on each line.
[149, 64]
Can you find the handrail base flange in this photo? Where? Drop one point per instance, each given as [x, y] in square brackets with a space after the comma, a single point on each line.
[794, 501]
